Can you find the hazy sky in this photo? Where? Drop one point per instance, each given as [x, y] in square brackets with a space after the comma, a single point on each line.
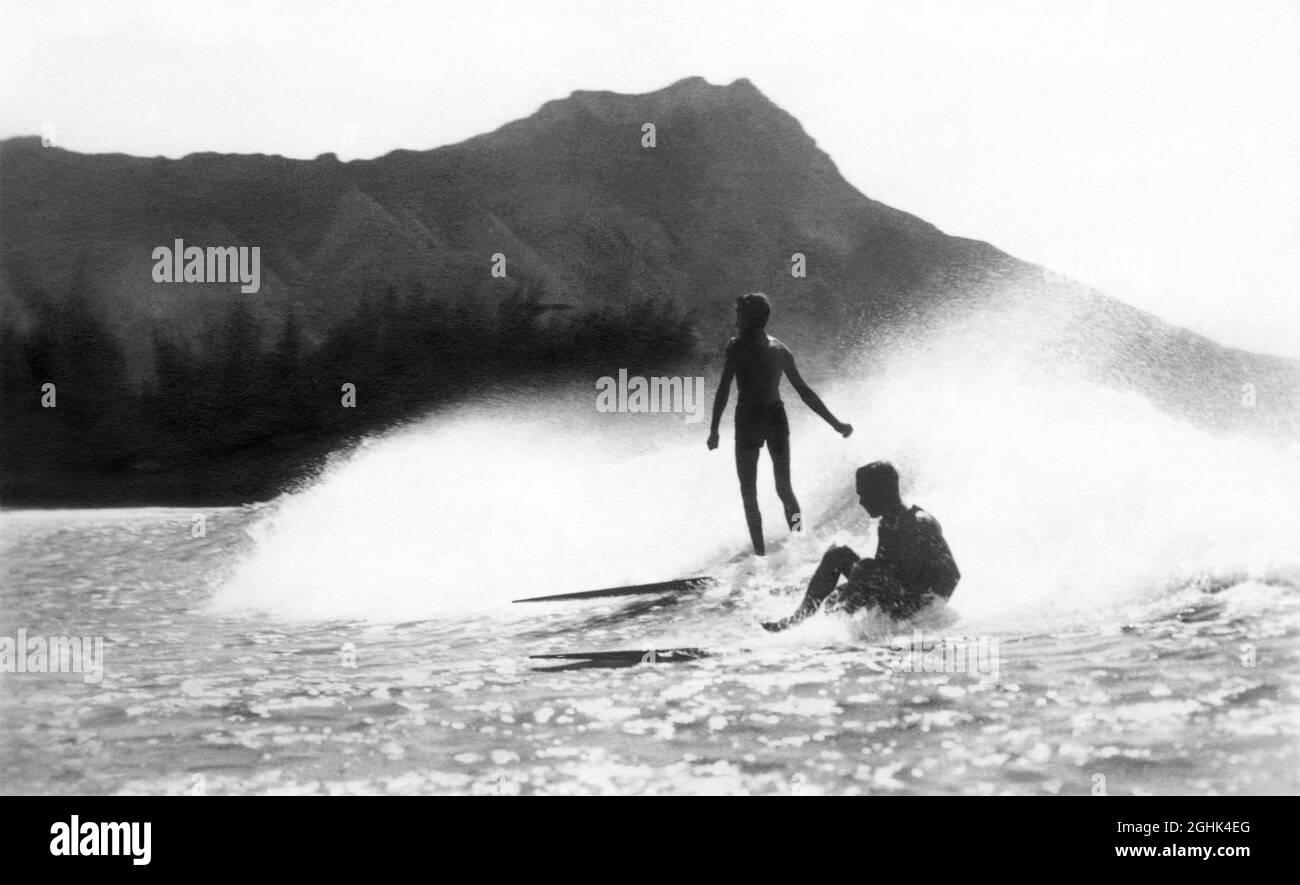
[1149, 148]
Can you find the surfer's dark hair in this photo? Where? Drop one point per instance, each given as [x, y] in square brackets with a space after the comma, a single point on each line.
[878, 475]
[758, 303]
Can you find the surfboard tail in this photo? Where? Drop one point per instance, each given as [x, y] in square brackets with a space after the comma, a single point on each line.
[621, 658]
[681, 585]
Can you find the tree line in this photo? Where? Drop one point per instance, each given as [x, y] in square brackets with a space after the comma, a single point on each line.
[245, 411]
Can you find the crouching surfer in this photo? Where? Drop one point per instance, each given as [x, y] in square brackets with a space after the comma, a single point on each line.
[912, 568]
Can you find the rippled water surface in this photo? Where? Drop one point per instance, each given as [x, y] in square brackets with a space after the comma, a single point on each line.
[1193, 688]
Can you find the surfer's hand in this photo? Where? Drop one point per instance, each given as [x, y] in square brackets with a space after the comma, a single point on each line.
[713, 441]
[846, 430]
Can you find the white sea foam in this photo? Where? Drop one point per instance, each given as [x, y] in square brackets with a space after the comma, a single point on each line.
[1059, 497]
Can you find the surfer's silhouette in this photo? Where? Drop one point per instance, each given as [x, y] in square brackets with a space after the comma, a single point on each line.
[913, 566]
[757, 361]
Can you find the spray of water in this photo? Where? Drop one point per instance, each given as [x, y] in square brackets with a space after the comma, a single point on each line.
[1059, 498]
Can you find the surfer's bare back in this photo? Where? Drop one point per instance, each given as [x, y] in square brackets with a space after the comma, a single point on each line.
[757, 361]
[913, 566]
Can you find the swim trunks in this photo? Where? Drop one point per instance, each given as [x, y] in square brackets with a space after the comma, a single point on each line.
[759, 423]
[872, 584]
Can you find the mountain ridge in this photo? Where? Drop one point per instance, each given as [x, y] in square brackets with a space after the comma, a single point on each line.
[590, 220]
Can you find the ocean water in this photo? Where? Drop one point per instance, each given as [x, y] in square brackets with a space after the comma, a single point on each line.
[1129, 612]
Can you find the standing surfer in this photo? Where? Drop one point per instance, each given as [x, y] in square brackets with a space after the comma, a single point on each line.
[757, 361]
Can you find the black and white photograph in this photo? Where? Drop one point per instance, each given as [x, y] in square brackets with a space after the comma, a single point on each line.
[574, 398]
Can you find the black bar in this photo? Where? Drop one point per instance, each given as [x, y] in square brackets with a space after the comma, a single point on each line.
[304, 834]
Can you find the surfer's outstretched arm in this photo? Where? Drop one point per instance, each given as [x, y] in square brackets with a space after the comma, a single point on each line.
[810, 397]
[720, 398]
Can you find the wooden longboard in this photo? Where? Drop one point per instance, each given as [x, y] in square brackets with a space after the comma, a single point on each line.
[584, 660]
[681, 585]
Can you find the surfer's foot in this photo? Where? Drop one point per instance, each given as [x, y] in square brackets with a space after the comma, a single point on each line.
[783, 624]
